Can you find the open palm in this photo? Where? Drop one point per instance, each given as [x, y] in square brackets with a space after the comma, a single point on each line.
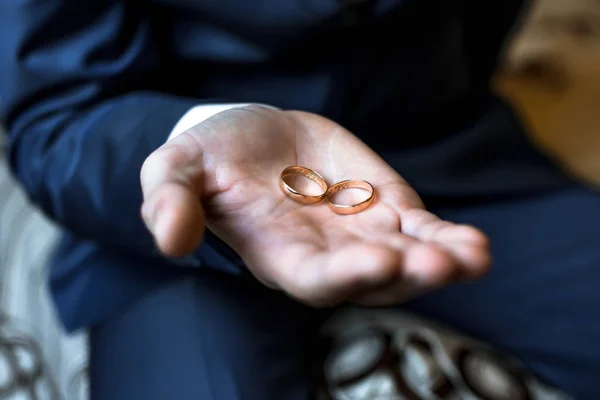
[232, 163]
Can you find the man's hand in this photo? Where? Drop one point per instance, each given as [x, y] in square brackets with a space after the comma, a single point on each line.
[223, 175]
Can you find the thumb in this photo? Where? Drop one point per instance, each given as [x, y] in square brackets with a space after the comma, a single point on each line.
[171, 179]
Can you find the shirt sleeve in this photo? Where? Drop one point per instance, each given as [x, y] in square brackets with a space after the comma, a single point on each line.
[202, 112]
[82, 86]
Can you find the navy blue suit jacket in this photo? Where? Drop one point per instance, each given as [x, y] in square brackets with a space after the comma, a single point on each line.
[89, 89]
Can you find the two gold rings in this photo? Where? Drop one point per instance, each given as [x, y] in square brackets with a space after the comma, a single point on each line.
[328, 191]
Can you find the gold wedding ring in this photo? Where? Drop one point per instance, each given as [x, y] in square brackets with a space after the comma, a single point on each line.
[351, 208]
[296, 195]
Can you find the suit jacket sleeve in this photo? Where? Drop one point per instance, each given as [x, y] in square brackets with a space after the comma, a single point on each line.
[82, 90]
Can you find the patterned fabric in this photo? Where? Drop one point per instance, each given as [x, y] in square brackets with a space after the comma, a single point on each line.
[389, 355]
[37, 360]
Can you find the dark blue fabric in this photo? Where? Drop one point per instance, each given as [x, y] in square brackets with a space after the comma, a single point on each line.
[206, 336]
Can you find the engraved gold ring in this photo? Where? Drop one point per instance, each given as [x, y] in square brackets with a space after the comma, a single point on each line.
[296, 195]
[351, 208]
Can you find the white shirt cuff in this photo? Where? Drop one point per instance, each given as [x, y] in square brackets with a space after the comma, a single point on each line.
[202, 112]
